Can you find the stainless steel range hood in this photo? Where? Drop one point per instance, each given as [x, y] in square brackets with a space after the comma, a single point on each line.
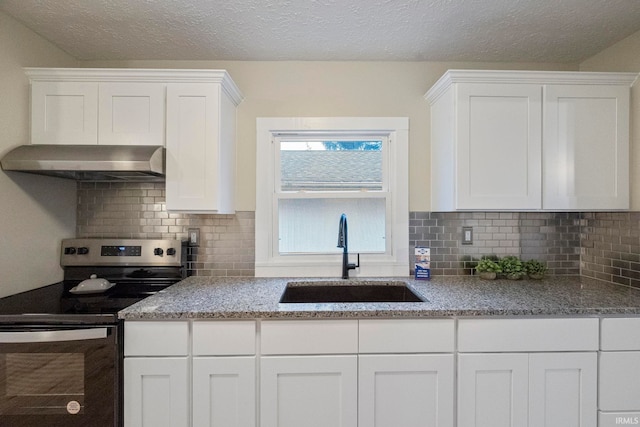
[89, 162]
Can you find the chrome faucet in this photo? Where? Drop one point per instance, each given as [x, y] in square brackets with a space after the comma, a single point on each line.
[342, 243]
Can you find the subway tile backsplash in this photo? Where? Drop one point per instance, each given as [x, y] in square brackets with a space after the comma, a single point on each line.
[137, 211]
[610, 247]
[553, 238]
[602, 246]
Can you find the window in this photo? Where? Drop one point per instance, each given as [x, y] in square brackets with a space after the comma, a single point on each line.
[309, 172]
[346, 171]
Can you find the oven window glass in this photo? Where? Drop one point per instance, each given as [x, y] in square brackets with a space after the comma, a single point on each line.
[44, 374]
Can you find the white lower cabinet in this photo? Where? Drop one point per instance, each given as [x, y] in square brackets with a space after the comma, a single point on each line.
[223, 373]
[224, 390]
[190, 373]
[156, 391]
[408, 390]
[381, 373]
[527, 372]
[563, 389]
[619, 373]
[156, 374]
[309, 391]
[520, 389]
[368, 390]
[492, 390]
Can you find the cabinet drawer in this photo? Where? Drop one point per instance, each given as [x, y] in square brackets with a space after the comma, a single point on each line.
[156, 338]
[406, 336]
[309, 337]
[224, 338]
[496, 335]
[620, 334]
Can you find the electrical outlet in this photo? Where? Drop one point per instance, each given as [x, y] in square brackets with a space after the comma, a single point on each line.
[194, 237]
[467, 235]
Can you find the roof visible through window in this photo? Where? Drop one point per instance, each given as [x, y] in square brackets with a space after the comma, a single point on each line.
[331, 165]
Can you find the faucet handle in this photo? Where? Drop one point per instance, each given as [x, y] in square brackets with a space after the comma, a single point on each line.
[352, 266]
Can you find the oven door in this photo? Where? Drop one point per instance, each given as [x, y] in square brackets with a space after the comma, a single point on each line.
[58, 376]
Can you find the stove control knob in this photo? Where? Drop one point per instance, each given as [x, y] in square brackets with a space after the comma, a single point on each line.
[171, 251]
[70, 250]
[158, 251]
[83, 251]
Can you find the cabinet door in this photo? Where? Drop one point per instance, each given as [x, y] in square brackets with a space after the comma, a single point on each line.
[619, 386]
[499, 131]
[309, 391]
[586, 147]
[224, 392]
[195, 161]
[156, 392]
[563, 389]
[405, 390]
[131, 114]
[64, 113]
[492, 390]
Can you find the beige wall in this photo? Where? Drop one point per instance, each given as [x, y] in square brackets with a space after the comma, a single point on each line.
[36, 212]
[332, 89]
[625, 56]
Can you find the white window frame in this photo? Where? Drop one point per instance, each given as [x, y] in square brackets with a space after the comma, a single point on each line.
[395, 262]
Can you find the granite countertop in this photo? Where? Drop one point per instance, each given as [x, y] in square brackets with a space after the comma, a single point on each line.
[200, 297]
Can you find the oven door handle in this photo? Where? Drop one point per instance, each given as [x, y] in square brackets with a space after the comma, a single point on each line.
[52, 336]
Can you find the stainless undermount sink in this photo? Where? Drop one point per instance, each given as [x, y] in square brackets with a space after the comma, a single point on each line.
[360, 291]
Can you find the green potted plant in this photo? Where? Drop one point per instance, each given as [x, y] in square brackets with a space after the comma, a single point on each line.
[512, 267]
[488, 269]
[535, 269]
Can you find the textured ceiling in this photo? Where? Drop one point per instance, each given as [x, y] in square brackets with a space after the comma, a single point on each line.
[390, 30]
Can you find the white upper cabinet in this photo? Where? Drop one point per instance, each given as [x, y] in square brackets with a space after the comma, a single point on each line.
[97, 106]
[191, 112]
[131, 113]
[586, 147]
[64, 112]
[524, 140]
[201, 151]
[513, 113]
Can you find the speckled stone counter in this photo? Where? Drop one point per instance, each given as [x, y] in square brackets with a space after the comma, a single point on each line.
[247, 298]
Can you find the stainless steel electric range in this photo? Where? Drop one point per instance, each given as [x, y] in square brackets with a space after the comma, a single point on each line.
[61, 345]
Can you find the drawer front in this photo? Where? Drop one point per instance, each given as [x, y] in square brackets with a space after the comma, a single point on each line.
[620, 334]
[224, 338]
[406, 336]
[497, 335]
[619, 381]
[143, 338]
[309, 337]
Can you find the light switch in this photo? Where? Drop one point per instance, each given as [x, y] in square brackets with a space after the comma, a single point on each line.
[467, 235]
[194, 237]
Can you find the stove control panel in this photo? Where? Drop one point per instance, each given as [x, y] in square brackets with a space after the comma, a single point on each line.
[120, 252]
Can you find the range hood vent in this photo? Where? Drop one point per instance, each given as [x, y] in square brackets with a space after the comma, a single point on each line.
[89, 162]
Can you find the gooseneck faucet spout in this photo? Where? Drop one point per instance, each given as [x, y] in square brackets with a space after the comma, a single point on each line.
[343, 243]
